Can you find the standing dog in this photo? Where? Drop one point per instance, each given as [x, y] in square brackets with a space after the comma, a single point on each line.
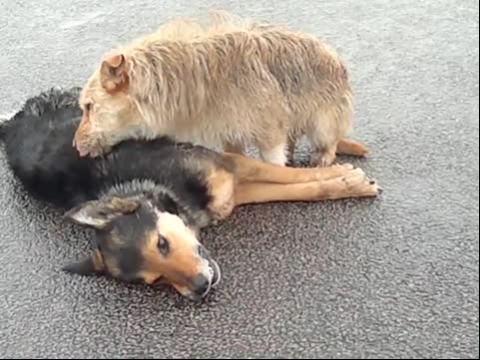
[231, 84]
[148, 199]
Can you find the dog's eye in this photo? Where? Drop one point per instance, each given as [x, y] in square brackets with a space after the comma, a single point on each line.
[163, 245]
[88, 107]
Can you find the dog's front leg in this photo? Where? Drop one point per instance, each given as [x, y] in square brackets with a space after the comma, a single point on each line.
[251, 170]
[354, 184]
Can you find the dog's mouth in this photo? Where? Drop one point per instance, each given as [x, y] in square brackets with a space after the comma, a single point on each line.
[83, 153]
[199, 291]
[85, 150]
[214, 277]
[199, 287]
[81, 148]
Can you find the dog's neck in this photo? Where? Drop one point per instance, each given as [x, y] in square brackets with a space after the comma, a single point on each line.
[162, 199]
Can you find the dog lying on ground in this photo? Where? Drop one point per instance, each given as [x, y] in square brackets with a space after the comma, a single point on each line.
[148, 199]
[230, 83]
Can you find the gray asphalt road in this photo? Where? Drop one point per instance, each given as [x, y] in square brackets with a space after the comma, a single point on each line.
[392, 277]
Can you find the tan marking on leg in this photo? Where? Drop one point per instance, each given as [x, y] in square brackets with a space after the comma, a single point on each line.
[251, 170]
[221, 188]
[354, 184]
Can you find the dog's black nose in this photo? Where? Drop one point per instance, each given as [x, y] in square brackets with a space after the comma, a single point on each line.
[200, 285]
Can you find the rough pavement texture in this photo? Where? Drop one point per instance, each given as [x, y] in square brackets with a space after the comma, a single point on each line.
[392, 277]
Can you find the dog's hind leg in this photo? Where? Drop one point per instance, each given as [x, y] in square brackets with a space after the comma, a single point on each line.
[273, 145]
[353, 184]
[276, 154]
[328, 128]
[251, 170]
[351, 147]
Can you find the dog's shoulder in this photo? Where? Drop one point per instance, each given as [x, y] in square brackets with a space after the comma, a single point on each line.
[182, 167]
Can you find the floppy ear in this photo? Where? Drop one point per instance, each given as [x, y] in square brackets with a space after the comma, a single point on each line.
[113, 73]
[88, 266]
[99, 213]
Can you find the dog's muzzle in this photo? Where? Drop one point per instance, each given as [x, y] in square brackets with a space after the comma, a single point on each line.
[209, 277]
[83, 151]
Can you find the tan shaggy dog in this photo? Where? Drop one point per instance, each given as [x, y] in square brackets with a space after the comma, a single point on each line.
[228, 83]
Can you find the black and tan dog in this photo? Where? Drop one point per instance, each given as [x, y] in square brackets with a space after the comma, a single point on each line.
[147, 200]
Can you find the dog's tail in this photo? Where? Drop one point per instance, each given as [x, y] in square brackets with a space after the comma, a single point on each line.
[350, 147]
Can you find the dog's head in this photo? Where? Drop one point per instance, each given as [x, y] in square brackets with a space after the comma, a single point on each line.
[110, 115]
[137, 242]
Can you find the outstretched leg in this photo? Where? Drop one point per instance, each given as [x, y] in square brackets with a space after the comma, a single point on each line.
[251, 170]
[354, 184]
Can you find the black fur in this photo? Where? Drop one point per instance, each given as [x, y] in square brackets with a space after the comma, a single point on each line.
[38, 145]
[119, 194]
[39, 151]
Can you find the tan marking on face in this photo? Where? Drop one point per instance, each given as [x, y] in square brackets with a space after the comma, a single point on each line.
[182, 264]
[112, 266]
[174, 229]
[97, 261]
[149, 277]
[185, 291]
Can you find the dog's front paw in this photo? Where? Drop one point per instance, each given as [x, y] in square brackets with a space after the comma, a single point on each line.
[334, 171]
[358, 184]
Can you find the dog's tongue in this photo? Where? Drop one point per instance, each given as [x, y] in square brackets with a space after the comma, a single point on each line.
[81, 151]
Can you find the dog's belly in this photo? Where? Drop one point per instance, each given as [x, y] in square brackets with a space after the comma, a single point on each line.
[211, 133]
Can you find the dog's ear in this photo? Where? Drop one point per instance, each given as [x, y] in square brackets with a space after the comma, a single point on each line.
[99, 213]
[88, 266]
[113, 73]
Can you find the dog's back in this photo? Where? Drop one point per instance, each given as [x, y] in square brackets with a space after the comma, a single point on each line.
[231, 84]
